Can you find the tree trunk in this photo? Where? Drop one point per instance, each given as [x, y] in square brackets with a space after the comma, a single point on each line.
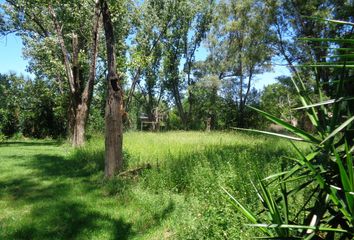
[178, 101]
[82, 112]
[78, 138]
[114, 102]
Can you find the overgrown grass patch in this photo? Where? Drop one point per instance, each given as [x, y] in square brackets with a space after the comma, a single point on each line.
[51, 191]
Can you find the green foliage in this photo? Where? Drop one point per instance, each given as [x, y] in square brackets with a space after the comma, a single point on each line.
[42, 115]
[177, 198]
[30, 107]
[279, 99]
[167, 37]
[2, 137]
[11, 100]
[240, 47]
[324, 175]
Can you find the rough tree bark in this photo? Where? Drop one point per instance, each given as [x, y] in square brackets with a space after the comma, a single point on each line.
[114, 101]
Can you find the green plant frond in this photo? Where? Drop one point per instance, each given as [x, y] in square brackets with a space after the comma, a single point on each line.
[247, 213]
[285, 203]
[272, 207]
[324, 173]
[306, 160]
[293, 170]
[344, 49]
[330, 101]
[342, 63]
[310, 236]
[299, 188]
[269, 133]
[336, 22]
[347, 56]
[302, 156]
[304, 99]
[250, 216]
[303, 175]
[340, 189]
[350, 151]
[332, 194]
[338, 129]
[257, 192]
[300, 161]
[349, 158]
[304, 135]
[288, 176]
[339, 22]
[346, 179]
[327, 65]
[275, 175]
[337, 40]
[290, 226]
[308, 200]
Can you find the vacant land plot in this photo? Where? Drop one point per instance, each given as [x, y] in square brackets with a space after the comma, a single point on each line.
[50, 191]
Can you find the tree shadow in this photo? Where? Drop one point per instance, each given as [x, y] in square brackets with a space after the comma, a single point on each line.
[32, 143]
[49, 166]
[17, 188]
[68, 219]
[52, 209]
[54, 214]
[160, 216]
[122, 230]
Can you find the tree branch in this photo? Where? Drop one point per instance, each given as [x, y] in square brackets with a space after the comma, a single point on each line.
[65, 52]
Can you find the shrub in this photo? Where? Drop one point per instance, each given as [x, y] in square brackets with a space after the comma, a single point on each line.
[314, 198]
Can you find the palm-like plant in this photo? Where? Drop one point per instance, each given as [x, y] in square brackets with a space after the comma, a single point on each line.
[325, 173]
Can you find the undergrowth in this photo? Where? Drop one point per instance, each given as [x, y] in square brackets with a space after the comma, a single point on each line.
[177, 197]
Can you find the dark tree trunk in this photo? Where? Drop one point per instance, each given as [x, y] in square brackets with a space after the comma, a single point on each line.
[114, 102]
[178, 101]
[80, 96]
[240, 121]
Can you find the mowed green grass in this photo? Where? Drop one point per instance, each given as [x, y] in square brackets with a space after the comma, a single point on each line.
[50, 191]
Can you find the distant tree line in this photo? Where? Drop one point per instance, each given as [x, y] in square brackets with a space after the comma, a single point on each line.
[31, 107]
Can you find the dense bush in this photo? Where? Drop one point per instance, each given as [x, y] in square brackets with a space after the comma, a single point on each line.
[31, 107]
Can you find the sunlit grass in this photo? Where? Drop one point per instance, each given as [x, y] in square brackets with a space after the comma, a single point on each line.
[51, 191]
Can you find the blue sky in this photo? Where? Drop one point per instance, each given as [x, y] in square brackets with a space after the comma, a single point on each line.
[11, 59]
[11, 55]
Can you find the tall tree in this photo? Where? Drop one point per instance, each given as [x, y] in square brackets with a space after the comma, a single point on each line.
[151, 26]
[114, 100]
[191, 22]
[61, 37]
[241, 42]
[206, 101]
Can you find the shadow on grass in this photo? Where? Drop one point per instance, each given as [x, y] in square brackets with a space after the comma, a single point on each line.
[79, 164]
[55, 213]
[159, 216]
[46, 199]
[32, 143]
[69, 220]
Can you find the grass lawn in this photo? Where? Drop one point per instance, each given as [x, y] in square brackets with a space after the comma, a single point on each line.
[50, 191]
